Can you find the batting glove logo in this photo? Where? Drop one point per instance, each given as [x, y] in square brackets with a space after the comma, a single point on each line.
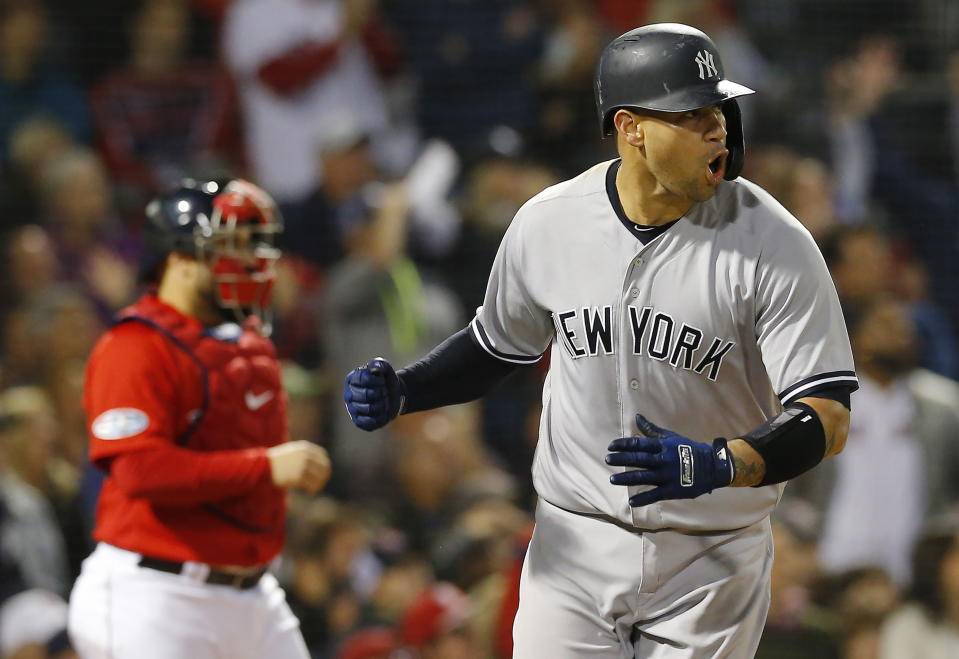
[685, 465]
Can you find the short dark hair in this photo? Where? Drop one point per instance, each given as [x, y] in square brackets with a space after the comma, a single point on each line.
[9, 8]
[927, 558]
[832, 241]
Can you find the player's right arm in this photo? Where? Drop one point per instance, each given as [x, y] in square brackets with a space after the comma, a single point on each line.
[133, 395]
[456, 371]
[510, 330]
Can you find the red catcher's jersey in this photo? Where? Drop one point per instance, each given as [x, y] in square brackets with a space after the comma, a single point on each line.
[159, 378]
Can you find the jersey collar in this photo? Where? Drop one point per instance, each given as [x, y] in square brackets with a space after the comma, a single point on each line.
[641, 233]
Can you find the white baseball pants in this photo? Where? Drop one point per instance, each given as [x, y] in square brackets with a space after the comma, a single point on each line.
[119, 610]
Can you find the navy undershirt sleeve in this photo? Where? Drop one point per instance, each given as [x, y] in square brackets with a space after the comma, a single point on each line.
[838, 394]
[456, 371]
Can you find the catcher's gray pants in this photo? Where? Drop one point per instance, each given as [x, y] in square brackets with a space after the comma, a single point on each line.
[593, 589]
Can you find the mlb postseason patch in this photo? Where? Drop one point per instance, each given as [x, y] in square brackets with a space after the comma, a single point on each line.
[120, 423]
[227, 332]
[685, 465]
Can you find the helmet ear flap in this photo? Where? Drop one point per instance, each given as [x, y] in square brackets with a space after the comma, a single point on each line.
[735, 139]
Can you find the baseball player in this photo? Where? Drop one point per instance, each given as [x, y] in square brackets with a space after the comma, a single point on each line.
[699, 360]
[187, 418]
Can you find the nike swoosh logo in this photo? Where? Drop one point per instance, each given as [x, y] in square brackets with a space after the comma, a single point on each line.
[256, 401]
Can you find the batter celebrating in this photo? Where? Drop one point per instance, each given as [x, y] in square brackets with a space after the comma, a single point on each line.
[698, 361]
[187, 417]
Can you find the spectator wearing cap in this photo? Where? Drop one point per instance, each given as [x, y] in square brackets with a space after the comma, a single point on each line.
[33, 624]
[482, 553]
[375, 643]
[435, 625]
[33, 621]
[311, 228]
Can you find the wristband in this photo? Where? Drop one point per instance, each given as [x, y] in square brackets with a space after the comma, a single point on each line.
[790, 444]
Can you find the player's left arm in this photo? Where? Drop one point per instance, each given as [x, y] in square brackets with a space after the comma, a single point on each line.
[749, 466]
[795, 441]
[801, 335]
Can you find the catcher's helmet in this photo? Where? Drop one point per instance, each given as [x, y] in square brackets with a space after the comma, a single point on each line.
[669, 67]
[230, 225]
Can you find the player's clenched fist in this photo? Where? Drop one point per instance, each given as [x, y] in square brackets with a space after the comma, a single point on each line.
[299, 464]
[373, 394]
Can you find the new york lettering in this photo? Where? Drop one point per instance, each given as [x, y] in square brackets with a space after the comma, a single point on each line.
[655, 334]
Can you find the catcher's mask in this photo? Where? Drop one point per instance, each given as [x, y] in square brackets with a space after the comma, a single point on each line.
[230, 225]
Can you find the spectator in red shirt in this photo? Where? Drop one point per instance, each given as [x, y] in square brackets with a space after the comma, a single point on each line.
[435, 625]
[187, 418]
[160, 114]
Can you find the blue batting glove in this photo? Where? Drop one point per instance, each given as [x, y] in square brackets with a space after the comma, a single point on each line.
[373, 394]
[679, 467]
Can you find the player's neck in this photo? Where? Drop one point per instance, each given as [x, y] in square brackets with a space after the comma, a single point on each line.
[184, 296]
[645, 201]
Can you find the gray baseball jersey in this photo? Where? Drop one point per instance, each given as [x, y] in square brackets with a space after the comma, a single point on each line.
[708, 330]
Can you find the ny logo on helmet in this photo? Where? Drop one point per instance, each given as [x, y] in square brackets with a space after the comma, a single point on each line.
[707, 67]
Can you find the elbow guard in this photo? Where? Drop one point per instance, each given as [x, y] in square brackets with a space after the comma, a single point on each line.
[790, 444]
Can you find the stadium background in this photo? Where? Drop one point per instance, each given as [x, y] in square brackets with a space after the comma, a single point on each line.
[328, 104]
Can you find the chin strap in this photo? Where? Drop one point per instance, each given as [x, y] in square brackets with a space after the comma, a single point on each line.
[735, 139]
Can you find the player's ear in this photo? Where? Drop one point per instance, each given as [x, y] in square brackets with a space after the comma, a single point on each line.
[627, 124]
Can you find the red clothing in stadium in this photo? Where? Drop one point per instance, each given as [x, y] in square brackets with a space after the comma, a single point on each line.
[180, 417]
[152, 128]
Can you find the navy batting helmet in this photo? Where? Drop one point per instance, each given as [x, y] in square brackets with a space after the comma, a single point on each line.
[672, 68]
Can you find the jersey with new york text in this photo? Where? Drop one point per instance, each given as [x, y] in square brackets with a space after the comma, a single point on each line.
[708, 330]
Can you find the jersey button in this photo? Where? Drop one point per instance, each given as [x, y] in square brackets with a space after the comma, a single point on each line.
[639, 261]
[634, 292]
[634, 384]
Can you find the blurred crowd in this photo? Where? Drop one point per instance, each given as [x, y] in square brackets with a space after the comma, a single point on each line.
[400, 137]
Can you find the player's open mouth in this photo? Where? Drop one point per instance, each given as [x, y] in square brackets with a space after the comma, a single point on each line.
[716, 168]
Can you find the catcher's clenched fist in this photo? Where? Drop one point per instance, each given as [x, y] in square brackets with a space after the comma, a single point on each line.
[300, 464]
